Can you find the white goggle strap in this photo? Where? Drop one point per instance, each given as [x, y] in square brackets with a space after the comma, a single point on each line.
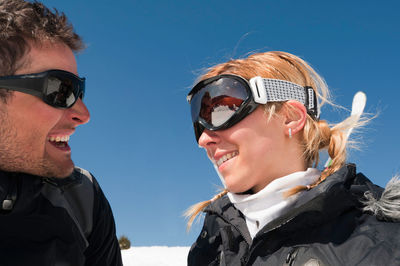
[276, 90]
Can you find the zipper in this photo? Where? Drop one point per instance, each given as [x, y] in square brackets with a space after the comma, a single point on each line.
[291, 256]
[250, 247]
[254, 247]
[61, 185]
[222, 259]
[49, 181]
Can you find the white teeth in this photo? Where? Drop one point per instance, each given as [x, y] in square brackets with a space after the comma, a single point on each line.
[226, 157]
[59, 139]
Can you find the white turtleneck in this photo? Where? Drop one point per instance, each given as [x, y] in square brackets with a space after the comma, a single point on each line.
[270, 203]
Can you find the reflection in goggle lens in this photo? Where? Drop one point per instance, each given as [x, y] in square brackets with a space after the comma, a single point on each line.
[218, 110]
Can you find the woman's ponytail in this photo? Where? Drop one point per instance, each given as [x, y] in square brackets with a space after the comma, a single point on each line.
[194, 210]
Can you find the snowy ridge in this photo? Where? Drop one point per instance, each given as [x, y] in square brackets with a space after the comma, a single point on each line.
[220, 113]
[156, 255]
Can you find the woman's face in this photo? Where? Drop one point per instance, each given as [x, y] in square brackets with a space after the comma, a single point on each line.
[253, 152]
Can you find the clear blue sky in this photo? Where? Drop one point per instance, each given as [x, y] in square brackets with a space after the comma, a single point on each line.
[143, 56]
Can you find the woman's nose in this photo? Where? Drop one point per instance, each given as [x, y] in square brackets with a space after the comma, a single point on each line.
[208, 137]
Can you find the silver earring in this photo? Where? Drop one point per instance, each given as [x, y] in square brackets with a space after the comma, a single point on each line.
[290, 133]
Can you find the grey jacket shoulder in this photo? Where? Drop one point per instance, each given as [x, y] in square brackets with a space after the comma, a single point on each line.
[83, 173]
[76, 195]
[81, 198]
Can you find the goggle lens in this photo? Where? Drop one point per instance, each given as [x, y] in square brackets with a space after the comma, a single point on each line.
[218, 101]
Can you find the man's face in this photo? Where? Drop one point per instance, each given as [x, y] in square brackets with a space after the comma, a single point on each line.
[34, 135]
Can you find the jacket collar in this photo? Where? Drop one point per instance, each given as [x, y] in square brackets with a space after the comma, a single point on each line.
[16, 185]
[72, 179]
[338, 193]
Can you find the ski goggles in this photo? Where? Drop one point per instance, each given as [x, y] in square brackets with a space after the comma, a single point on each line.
[58, 88]
[222, 101]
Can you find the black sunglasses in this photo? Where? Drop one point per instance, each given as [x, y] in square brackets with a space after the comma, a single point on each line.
[58, 88]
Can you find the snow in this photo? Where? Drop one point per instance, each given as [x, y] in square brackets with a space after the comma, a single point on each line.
[220, 113]
[156, 255]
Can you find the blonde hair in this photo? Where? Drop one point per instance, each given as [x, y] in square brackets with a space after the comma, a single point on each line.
[317, 135]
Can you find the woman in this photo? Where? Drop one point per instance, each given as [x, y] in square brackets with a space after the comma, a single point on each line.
[258, 120]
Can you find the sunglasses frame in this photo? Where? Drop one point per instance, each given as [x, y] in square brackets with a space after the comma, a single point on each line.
[36, 84]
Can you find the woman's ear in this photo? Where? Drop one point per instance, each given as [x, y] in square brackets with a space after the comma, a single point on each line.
[296, 115]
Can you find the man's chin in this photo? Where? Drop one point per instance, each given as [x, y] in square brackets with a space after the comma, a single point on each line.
[63, 173]
[57, 170]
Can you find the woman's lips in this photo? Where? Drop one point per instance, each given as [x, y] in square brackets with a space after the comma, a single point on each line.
[226, 157]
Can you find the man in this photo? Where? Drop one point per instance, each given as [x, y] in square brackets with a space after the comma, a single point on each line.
[51, 212]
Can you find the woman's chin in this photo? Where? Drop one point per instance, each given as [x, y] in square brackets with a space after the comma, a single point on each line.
[237, 188]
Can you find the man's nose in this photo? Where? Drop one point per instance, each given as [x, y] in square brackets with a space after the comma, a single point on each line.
[79, 113]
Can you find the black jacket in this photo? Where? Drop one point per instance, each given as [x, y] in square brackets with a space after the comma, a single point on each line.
[327, 226]
[45, 221]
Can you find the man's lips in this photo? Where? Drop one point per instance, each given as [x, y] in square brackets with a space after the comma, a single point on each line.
[60, 141]
[59, 138]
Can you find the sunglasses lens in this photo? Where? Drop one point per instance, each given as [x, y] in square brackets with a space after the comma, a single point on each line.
[63, 90]
[218, 101]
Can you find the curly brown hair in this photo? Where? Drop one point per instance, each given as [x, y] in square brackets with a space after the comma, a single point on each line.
[22, 23]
